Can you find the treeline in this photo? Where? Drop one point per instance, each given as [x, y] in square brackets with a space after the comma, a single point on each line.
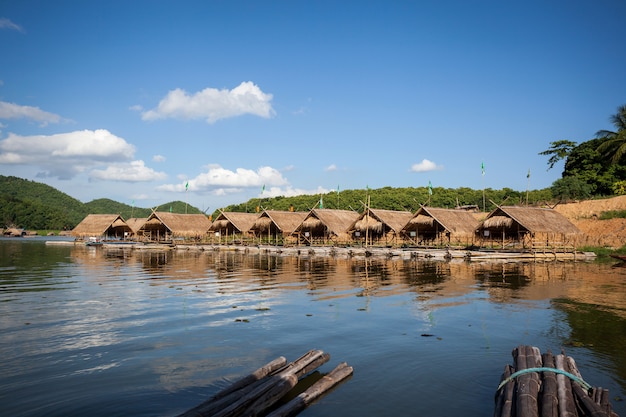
[35, 206]
[408, 198]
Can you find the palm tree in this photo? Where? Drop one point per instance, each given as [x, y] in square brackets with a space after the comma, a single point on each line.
[613, 146]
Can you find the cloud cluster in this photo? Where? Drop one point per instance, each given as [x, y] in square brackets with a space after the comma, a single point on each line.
[222, 181]
[65, 155]
[16, 111]
[425, 166]
[213, 104]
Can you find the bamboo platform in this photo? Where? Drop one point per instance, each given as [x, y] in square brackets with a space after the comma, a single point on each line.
[548, 386]
[260, 393]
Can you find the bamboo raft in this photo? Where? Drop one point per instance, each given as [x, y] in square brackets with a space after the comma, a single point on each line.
[260, 392]
[548, 386]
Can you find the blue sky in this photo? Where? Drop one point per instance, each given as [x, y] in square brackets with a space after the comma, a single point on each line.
[132, 100]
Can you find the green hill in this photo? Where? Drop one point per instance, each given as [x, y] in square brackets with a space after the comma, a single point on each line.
[36, 206]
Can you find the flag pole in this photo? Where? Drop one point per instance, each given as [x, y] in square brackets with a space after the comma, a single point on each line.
[527, 186]
[186, 197]
[482, 167]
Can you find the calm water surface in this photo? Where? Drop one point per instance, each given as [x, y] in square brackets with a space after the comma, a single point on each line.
[91, 331]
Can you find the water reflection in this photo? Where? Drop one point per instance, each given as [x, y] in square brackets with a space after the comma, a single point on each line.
[183, 320]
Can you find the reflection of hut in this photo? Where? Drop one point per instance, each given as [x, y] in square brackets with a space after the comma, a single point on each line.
[528, 227]
[440, 226]
[233, 226]
[109, 226]
[164, 226]
[277, 226]
[325, 226]
[377, 225]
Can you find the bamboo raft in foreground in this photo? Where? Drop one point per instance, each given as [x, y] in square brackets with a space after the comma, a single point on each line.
[548, 386]
[259, 392]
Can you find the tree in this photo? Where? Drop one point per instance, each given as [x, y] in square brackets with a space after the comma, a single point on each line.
[559, 150]
[570, 188]
[613, 146]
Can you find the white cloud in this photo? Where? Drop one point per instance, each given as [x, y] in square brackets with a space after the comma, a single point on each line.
[65, 155]
[15, 111]
[331, 167]
[213, 104]
[158, 158]
[221, 180]
[135, 171]
[7, 24]
[426, 166]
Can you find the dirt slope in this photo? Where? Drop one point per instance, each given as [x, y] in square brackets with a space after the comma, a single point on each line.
[585, 215]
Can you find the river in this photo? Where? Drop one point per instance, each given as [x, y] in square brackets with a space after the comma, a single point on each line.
[115, 332]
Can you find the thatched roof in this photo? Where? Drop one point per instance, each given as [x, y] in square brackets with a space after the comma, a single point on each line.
[179, 224]
[241, 222]
[533, 219]
[285, 221]
[336, 221]
[376, 220]
[457, 222]
[100, 225]
[135, 223]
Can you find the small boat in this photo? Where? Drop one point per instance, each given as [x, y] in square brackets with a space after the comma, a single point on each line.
[94, 241]
[620, 257]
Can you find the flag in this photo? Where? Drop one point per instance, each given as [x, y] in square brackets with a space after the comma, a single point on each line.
[170, 209]
[321, 202]
[430, 188]
[263, 189]
[186, 185]
[482, 167]
[132, 204]
[528, 175]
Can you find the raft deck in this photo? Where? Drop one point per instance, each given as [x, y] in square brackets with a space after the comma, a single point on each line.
[548, 386]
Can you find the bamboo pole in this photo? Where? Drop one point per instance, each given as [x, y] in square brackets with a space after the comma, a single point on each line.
[549, 399]
[567, 408]
[315, 391]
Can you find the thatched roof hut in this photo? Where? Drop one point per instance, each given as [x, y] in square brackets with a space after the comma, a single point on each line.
[233, 224]
[107, 225]
[441, 226]
[529, 226]
[379, 224]
[326, 225]
[161, 225]
[277, 222]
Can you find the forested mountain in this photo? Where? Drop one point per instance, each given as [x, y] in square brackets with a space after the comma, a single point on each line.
[36, 206]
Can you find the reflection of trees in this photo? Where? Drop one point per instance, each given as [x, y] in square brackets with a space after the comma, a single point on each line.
[597, 329]
[39, 260]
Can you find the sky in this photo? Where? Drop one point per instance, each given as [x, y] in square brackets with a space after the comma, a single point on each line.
[216, 102]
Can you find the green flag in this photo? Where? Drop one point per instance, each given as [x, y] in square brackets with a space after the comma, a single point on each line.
[186, 185]
[430, 188]
[321, 202]
[528, 175]
[482, 167]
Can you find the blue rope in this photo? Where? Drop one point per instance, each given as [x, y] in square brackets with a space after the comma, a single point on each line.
[556, 371]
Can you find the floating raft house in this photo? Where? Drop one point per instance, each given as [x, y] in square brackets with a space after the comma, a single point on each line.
[548, 386]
